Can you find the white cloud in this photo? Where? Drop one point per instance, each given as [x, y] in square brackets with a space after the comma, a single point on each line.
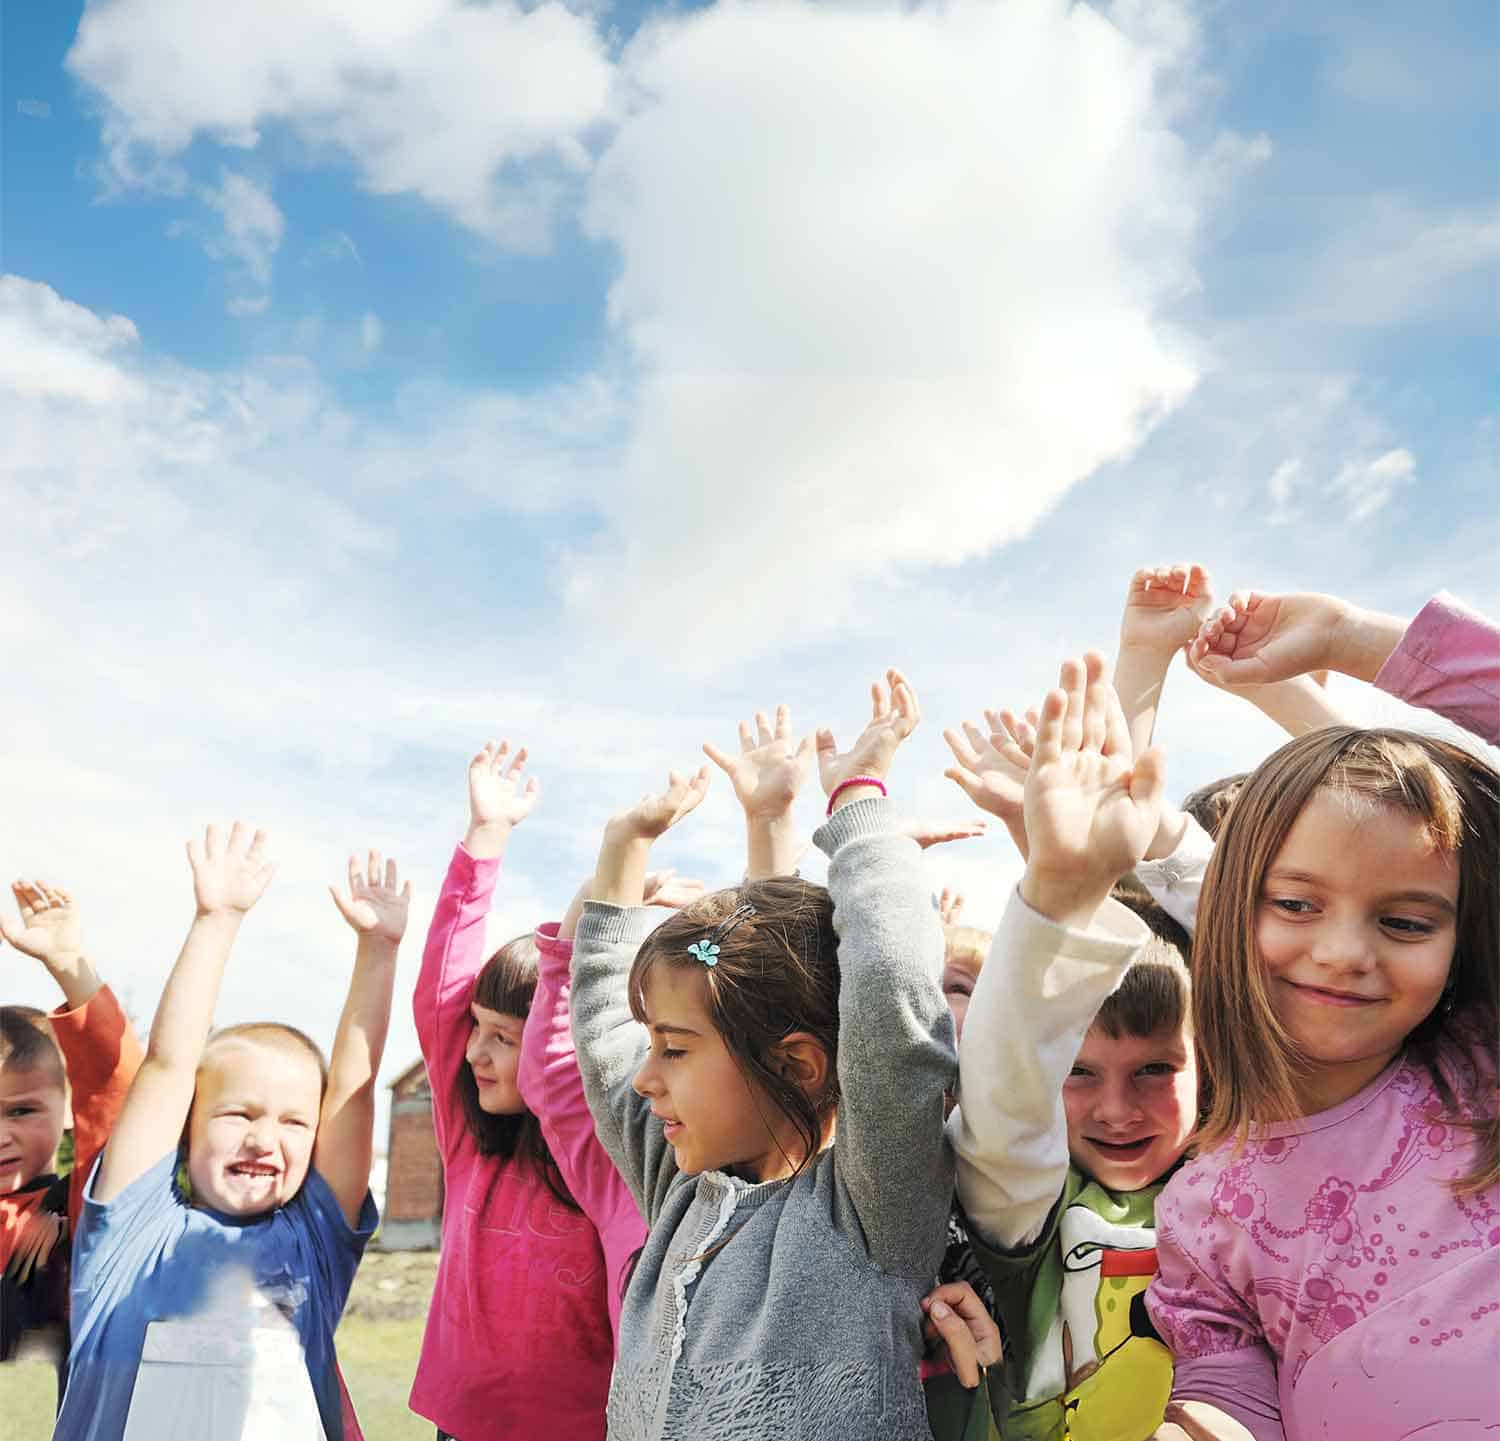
[1368, 485]
[371, 333]
[51, 348]
[895, 278]
[479, 110]
[251, 226]
[1283, 479]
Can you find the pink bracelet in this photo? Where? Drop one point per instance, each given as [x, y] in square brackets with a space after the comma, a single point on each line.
[842, 786]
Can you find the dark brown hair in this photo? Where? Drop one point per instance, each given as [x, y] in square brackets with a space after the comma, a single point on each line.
[507, 984]
[776, 972]
[1155, 994]
[26, 1043]
[1251, 1064]
[1208, 805]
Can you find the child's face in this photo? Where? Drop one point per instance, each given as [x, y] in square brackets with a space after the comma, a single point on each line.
[1356, 926]
[494, 1056]
[33, 1111]
[252, 1127]
[1131, 1104]
[960, 971]
[712, 1117]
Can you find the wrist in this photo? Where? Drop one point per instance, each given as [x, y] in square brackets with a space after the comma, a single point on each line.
[484, 840]
[220, 918]
[1359, 641]
[376, 948]
[1063, 896]
[1148, 656]
[855, 788]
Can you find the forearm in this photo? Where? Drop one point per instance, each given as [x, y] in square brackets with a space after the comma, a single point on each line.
[487, 840]
[620, 876]
[186, 1012]
[359, 1043]
[75, 976]
[1361, 641]
[1298, 705]
[1140, 673]
[770, 847]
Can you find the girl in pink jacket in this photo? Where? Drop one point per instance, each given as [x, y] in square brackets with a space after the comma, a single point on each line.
[518, 1339]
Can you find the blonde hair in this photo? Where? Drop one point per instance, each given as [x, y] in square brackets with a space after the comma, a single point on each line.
[1251, 1064]
[966, 944]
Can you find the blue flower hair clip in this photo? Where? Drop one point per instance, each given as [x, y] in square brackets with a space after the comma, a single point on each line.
[707, 948]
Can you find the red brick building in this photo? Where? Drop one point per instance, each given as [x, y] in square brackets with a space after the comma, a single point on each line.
[413, 1216]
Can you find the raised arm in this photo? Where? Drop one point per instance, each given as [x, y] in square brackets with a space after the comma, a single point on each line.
[229, 877]
[610, 1043]
[1164, 606]
[1447, 660]
[1059, 952]
[767, 774]
[376, 909]
[500, 798]
[98, 1043]
[896, 1056]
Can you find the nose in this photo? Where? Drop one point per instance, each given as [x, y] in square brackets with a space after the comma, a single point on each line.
[474, 1050]
[259, 1140]
[1343, 944]
[647, 1082]
[1116, 1105]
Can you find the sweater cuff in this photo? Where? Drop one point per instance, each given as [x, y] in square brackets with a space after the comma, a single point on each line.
[610, 925]
[550, 944]
[1194, 849]
[870, 817]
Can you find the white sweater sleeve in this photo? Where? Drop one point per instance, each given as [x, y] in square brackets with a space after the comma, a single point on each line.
[1035, 998]
[1176, 881]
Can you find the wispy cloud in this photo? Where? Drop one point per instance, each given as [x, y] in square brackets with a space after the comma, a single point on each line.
[1369, 485]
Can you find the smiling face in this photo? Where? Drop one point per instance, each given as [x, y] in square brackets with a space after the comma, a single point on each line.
[494, 1056]
[33, 1111]
[1356, 929]
[1131, 1104]
[712, 1116]
[252, 1126]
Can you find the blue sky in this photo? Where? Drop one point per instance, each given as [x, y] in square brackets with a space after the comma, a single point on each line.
[381, 378]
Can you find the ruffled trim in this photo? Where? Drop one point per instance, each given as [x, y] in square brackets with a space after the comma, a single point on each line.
[688, 1274]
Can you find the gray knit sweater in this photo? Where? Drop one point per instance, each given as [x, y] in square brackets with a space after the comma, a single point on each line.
[807, 1323]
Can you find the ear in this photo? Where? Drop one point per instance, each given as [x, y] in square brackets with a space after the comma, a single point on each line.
[803, 1060]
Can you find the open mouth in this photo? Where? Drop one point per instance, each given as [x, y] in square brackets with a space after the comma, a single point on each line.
[1122, 1150]
[252, 1171]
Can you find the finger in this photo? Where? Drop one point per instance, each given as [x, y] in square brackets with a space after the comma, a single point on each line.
[783, 723]
[498, 757]
[346, 907]
[963, 752]
[9, 935]
[967, 782]
[806, 750]
[1116, 729]
[1049, 731]
[516, 765]
[977, 738]
[533, 788]
[826, 747]
[256, 854]
[962, 1297]
[906, 700]
[211, 842]
[1070, 679]
[1096, 696]
[955, 1335]
[236, 846]
[995, 720]
[747, 737]
[390, 875]
[879, 705]
[718, 757]
[372, 874]
[763, 733]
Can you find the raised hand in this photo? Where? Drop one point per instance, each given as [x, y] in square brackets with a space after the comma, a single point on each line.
[50, 930]
[768, 772]
[620, 875]
[497, 796]
[229, 876]
[1090, 813]
[950, 906]
[894, 714]
[374, 907]
[991, 770]
[667, 888]
[1164, 607]
[939, 833]
[1256, 639]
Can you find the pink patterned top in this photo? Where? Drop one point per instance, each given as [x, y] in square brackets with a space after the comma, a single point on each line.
[1325, 1283]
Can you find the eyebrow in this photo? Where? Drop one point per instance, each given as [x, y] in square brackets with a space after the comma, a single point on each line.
[663, 1028]
[1428, 898]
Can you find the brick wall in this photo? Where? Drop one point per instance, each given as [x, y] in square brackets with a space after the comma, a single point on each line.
[414, 1173]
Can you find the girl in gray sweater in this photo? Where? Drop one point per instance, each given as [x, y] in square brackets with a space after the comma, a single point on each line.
[779, 1120]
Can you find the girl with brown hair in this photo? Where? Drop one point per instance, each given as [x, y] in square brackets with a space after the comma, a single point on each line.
[1340, 1227]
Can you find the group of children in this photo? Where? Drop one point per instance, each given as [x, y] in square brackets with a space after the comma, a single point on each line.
[1203, 1142]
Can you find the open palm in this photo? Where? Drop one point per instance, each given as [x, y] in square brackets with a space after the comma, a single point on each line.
[376, 905]
[768, 772]
[50, 924]
[497, 793]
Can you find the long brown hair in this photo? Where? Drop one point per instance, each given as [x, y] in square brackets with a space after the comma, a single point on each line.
[776, 972]
[507, 984]
[1251, 1064]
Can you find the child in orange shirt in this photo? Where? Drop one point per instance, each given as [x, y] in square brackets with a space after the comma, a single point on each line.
[85, 1054]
